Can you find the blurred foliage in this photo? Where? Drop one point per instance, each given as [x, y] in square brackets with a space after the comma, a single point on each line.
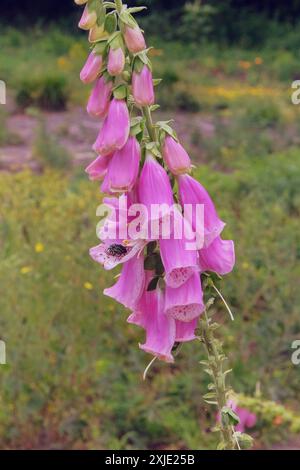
[47, 150]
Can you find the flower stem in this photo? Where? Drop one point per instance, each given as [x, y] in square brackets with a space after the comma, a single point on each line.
[149, 123]
[215, 361]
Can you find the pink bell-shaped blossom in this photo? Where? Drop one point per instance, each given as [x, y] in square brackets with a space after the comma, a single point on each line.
[124, 167]
[185, 303]
[160, 329]
[99, 100]
[142, 87]
[219, 257]
[175, 156]
[116, 61]
[179, 262]
[88, 18]
[91, 68]
[98, 168]
[134, 39]
[130, 285]
[145, 303]
[185, 331]
[192, 192]
[115, 131]
[154, 185]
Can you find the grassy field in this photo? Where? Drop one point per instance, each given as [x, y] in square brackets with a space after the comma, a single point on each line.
[74, 372]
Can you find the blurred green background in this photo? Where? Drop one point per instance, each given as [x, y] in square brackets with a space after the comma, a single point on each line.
[73, 377]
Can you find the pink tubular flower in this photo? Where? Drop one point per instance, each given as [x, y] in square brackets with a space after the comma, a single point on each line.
[124, 167]
[92, 68]
[115, 131]
[175, 156]
[185, 303]
[98, 168]
[218, 257]
[116, 61]
[160, 329]
[88, 19]
[154, 185]
[145, 303]
[185, 331]
[192, 192]
[142, 87]
[179, 262]
[99, 100]
[129, 287]
[134, 39]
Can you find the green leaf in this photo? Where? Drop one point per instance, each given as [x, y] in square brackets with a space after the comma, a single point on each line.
[152, 284]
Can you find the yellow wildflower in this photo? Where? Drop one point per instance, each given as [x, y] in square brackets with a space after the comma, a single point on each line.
[26, 269]
[39, 247]
[88, 286]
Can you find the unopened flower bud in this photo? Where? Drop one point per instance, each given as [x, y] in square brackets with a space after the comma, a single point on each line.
[142, 87]
[88, 19]
[175, 156]
[134, 39]
[116, 61]
[91, 68]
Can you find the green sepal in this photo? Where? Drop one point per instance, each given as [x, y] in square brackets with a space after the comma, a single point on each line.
[116, 41]
[120, 92]
[157, 81]
[137, 126]
[110, 24]
[164, 128]
[136, 9]
[229, 416]
[128, 19]
[100, 47]
[109, 5]
[152, 148]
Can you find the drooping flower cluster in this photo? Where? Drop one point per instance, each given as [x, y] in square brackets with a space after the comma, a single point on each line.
[142, 163]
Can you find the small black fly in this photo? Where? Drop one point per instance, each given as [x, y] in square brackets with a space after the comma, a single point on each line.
[116, 250]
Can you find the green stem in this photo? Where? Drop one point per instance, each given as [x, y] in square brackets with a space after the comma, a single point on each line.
[119, 5]
[215, 364]
[149, 123]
